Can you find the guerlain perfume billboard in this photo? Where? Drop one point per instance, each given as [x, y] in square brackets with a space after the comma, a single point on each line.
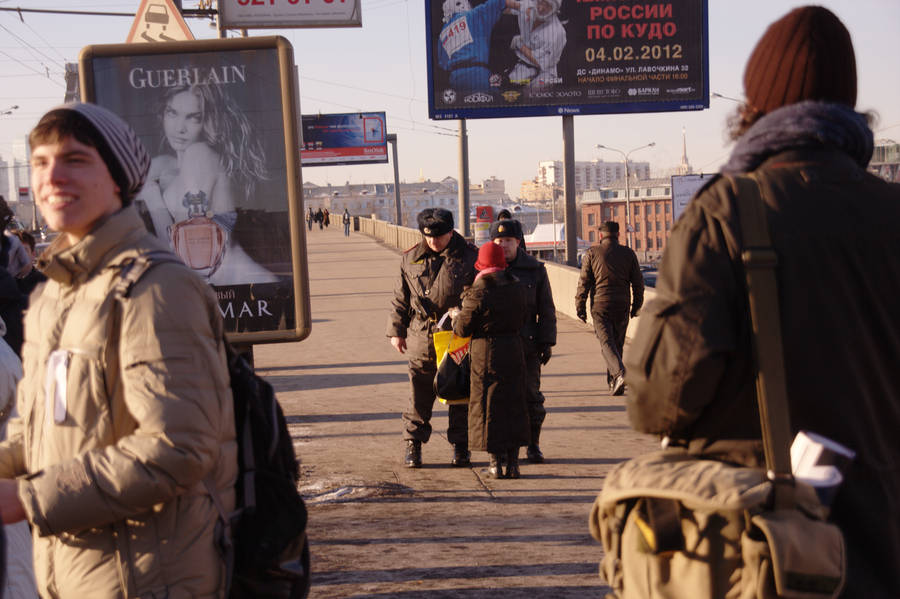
[220, 119]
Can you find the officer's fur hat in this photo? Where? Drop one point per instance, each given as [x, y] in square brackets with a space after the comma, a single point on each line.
[505, 228]
[434, 222]
[611, 227]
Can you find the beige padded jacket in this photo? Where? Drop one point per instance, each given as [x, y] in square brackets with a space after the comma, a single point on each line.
[125, 409]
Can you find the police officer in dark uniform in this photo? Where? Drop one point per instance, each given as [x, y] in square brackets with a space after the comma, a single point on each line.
[607, 271]
[433, 274]
[539, 333]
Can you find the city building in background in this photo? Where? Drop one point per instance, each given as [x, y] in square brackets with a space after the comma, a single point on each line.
[593, 174]
[651, 207]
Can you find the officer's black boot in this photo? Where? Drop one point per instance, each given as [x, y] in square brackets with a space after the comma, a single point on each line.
[533, 452]
[512, 463]
[461, 456]
[495, 470]
[413, 454]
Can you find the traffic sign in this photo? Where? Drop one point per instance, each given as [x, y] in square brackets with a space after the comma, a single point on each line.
[158, 21]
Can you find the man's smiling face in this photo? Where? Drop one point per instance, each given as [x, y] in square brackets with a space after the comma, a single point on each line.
[72, 186]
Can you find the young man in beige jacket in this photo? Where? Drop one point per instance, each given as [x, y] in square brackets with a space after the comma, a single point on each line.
[125, 408]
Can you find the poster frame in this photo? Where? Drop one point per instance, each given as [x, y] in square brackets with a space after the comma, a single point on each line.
[290, 121]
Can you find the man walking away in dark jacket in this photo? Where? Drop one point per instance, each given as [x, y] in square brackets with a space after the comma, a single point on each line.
[432, 276]
[346, 220]
[539, 332]
[607, 271]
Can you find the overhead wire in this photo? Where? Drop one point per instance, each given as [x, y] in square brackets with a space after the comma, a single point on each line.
[40, 37]
[30, 68]
[31, 49]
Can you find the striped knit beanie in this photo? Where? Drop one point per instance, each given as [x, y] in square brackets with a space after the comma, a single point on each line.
[118, 145]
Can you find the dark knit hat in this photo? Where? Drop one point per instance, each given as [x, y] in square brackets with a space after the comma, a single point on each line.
[506, 228]
[116, 142]
[611, 227]
[805, 55]
[434, 222]
[504, 214]
[490, 255]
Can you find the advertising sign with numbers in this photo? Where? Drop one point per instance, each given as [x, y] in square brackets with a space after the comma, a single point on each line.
[286, 14]
[509, 58]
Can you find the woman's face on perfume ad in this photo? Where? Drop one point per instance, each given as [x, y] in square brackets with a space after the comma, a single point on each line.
[183, 120]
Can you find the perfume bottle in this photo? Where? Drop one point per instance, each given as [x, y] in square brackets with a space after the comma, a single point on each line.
[199, 240]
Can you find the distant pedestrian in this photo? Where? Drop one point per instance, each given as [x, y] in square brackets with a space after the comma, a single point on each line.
[539, 331]
[492, 313]
[608, 270]
[320, 218]
[432, 276]
[346, 220]
[126, 409]
[310, 217]
[326, 217]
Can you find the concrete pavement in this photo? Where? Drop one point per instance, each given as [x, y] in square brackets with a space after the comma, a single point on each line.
[378, 529]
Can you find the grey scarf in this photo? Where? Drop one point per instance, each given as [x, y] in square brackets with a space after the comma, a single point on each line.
[803, 125]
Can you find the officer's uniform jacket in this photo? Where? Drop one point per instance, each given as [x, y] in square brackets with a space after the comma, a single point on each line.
[429, 284]
[540, 312]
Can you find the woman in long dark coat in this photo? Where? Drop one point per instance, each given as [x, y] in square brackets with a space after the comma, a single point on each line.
[492, 313]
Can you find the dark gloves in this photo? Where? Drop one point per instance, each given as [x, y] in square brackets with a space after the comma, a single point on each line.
[546, 352]
[582, 314]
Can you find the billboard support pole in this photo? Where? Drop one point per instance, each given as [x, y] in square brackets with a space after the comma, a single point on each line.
[568, 122]
[392, 139]
[463, 179]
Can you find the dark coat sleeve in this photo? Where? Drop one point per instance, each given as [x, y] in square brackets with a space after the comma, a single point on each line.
[546, 310]
[688, 333]
[401, 310]
[637, 287]
[585, 281]
[470, 315]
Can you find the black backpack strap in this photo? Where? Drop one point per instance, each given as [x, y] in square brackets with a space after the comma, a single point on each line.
[224, 532]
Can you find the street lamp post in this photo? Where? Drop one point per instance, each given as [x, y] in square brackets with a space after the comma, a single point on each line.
[625, 155]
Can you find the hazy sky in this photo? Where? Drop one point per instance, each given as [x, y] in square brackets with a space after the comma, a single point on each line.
[381, 67]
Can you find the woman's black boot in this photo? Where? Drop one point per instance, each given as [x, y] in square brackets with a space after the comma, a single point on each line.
[495, 470]
[512, 463]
